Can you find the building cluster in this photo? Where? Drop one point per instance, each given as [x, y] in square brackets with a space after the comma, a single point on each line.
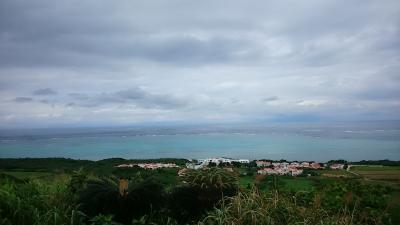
[312, 165]
[285, 168]
[201, 163]
[150, 166]
[266, 167]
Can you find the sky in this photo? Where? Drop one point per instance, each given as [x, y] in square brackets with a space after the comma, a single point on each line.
[95, 62]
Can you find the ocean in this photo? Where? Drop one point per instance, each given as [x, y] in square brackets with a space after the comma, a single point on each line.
[294, 141]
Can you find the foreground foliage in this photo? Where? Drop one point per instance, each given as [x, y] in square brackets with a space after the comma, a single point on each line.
[203, 197]
[36, 203]
[255, 208]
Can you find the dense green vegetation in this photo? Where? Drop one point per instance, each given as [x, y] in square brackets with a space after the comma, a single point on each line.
[65, 191]
[101, 167]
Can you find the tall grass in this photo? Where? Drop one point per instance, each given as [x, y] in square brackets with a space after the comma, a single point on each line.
[34, 203]
[273, 208]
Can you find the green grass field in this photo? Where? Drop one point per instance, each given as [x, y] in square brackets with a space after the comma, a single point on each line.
[297, 183]
[388, 174]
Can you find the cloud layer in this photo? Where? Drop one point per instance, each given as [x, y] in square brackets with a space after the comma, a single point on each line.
[106, 63]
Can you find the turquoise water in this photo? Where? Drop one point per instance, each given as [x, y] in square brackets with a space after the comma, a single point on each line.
[297, 144]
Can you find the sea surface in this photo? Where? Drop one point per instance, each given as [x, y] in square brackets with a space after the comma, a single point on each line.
[298, 141]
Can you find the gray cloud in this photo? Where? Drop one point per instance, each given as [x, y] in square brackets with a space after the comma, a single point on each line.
[23, 99]
[82, 42]
[379, 94]
[134, 96]
[70, 104]
[43, 33]
[44, 91]
[270, 99]
[193, 61]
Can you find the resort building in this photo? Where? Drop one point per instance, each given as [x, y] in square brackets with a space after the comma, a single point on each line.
[262, 163]
[286, 168]
[316, 166]
[295, 164]
[337, 166]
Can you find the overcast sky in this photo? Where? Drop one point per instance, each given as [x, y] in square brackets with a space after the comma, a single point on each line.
[69, 63]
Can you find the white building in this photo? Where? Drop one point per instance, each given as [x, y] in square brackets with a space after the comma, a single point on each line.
[194, 166]
[204, 162]
[222, 160]
[295, 164]
[262, 163]
[280, 171]
[244, 161]
[337, 166]
[305, 164]
[296, 172]
[151, 166]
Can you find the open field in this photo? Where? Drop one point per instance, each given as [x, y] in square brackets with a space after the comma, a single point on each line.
[390, 174]
[336, 173]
